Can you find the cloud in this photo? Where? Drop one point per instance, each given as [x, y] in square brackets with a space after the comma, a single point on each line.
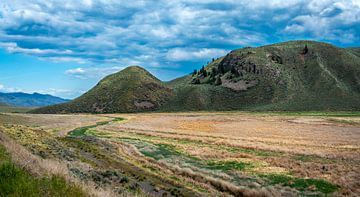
[14, 48]
[158, 33]
[78, 60]
[328, 20]
[76, 71]
[295, 29]
[92, 72]
[183, 54]
[4, 88]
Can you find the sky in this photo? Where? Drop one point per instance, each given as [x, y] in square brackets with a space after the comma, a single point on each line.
[64, 47]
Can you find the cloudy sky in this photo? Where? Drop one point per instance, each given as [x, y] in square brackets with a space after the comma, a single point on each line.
[63, 47]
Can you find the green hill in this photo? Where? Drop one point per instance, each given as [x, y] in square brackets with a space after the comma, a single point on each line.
[296, 75]
[130, 90]
[290, 76]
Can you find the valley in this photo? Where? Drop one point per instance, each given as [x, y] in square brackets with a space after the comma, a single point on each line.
[192, 153]
[179, 98]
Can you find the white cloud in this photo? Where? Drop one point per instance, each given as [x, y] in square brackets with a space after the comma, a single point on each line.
[295, 28]
[14, 48]
[272, 4]
[4, 88]
[329, 20]
[67, 59]
[183, 54]
[75, 71]
[92, 72]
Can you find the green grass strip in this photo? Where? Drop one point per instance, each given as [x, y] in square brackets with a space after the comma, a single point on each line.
[78, 132]
[301, 184]
[229, 165]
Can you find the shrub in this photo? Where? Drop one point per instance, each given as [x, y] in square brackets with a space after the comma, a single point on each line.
[218, 81]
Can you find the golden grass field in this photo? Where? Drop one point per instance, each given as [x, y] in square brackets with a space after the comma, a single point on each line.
[194, 154]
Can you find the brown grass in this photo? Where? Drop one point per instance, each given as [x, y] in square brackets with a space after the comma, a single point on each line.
[47, 167]
[196, 177]
[333, 148]
[306, 147]
[301, 135]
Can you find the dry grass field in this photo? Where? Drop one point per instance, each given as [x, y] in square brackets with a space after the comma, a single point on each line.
[196, 154]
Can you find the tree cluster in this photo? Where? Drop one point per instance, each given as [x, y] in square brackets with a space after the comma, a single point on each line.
[203, 72]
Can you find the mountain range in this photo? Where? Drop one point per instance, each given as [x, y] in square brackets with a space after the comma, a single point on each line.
[291, 76]
[20, 99]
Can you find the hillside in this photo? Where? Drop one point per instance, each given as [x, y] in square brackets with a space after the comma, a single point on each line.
[355, 51]
[290, 76]
[20, 99]
[130, 90]
[296, 75]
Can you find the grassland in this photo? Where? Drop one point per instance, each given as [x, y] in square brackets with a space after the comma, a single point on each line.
[10, 109]
[200, 154]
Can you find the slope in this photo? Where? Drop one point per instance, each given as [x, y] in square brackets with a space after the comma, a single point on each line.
[130, 90]
[296, 75]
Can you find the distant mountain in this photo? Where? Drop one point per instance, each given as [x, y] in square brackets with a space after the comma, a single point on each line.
[296, 75]
[20, 99]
